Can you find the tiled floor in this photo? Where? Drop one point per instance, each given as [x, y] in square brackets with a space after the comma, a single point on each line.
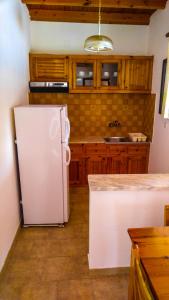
[51, 263]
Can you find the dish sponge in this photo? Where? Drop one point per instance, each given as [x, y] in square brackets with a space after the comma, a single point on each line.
[137, 137]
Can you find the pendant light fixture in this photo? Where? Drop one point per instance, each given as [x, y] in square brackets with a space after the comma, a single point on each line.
[98, 43]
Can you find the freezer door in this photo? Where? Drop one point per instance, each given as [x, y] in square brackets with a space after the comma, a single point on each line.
[65, 126]
[38, 131]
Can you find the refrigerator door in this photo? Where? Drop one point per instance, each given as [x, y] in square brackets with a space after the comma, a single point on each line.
[66, 181]
[66, 160]
[38, 131]
[67, 135]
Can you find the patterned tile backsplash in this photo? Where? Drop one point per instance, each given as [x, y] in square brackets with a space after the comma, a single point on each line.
[90, 114]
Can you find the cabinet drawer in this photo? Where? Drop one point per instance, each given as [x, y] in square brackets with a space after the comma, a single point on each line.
[95, 148]
[116, 149]
[76, 150]
[138, 149]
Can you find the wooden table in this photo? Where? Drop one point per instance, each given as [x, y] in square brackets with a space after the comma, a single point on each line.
[154, 254]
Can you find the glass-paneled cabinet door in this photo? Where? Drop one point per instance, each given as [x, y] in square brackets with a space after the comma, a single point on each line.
[110, 74]
[84, 74]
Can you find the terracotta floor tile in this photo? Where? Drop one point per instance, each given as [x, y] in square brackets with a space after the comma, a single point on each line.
[29, 291]
[32, 233]
[111, 288]
[80, 207]
[21, 271]
[20, 265]
[39, 292]
[9, 293]
[79, 217]
[35, 248]
[75, 290]
[71, 247]
[65, 268]
[70, 231]
[101, 273]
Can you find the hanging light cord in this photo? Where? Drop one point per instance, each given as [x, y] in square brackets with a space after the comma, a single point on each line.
[99, 16]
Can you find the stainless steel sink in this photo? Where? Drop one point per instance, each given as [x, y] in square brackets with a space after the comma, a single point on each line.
[116, 139]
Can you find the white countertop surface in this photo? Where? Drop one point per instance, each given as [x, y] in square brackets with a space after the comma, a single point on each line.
[99, 140]
[129, 182]
[86, 140]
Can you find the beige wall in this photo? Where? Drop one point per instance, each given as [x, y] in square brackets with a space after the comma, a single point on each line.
[158, 44]
[58, 37]
[14, 48]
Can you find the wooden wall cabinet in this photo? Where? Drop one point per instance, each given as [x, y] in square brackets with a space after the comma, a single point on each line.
[138, 74]
[82, 74]
[110, 74]
[96, 74]
[93, 73]
[48, 67]
[106, 159]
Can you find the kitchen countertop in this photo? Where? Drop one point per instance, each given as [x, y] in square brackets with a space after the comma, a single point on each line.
[86, 140]
[98, 140]
[129, 182]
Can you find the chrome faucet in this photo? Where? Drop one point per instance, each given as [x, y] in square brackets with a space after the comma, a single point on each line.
[115, 123]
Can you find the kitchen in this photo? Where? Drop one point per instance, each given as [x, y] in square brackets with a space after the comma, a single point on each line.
[89, 113]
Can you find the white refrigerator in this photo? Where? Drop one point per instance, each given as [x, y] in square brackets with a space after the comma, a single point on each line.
[42, 136]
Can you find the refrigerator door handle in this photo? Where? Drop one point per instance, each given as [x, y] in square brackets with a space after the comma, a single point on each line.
[69, 155]
[67, 130]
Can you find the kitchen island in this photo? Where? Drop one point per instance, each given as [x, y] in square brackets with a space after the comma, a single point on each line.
[119, 202]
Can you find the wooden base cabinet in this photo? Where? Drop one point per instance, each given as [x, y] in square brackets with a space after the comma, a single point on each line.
[137, 165]
[116, 165]
[76, 172]
[106, 159]
[77, 166]
[137, 159]
[95, 164]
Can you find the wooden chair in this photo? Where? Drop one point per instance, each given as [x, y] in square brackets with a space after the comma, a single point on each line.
[138, 285]
[166, 215]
